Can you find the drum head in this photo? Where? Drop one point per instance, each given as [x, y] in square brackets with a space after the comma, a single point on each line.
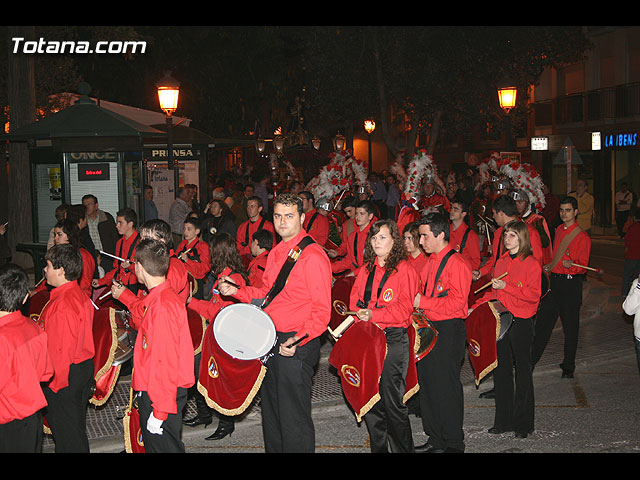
[244, 331]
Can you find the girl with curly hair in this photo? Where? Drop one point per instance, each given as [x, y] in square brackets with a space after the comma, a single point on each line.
[383, 293]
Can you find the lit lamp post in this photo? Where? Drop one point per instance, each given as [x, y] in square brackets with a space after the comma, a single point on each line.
[507, 98]
[369, 126]
[168, 93]
[338, 143]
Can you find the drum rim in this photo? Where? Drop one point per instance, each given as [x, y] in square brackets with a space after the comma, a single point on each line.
[255, 308]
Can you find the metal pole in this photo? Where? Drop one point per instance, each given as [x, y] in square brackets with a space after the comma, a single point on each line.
[170, 164]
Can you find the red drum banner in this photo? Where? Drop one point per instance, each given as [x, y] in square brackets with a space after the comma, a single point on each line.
[483, 328]
[227, 384]
[340, 292]
[197, 327]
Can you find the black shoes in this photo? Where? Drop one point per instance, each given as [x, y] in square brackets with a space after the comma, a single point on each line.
[426, 448]
[498, 431]
[566, 374]
[222, 431]
[196, 421]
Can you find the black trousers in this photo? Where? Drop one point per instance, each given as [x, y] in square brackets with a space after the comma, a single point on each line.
[515, 405]
[285, 396]
[170, 441]
[388, 420]
[441, 396]
[22, 435]
[66, 412]
[564, 300]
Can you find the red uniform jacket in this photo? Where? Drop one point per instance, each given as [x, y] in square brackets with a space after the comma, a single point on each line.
[88, 269]
[355, 251]
[247, 229]
[210, 308]
[547, 251]
[521, 295]
[177, 278]
[578, 251]
[631, 242]
[304, 304]
[418, 262]
[319, 228]
[256, 269]
[26, 363]
[497, 244]
[125, 248]
[68, 321]
[450, 298]
[163, 353]
[471, 250]
[198, 258]
[394, 306]
[348, 227]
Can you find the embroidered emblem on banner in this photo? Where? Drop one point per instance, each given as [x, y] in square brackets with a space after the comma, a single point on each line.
[139, 437]
[474, 348]
[351, 375]
[212, 368]
[387, 296]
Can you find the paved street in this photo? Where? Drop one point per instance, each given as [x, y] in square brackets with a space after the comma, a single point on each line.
[596, 412]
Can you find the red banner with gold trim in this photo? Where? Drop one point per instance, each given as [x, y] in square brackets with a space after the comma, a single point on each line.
[483, 328]
[227, 384]
[359, 357]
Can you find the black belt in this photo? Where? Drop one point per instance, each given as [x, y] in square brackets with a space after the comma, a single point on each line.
[568, 276]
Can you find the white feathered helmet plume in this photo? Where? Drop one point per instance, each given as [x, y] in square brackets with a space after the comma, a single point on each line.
[420, 167]
[342, 172]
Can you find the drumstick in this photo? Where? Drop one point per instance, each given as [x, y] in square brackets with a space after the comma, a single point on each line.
[117, 258]
[41, 280]
[231, 283]
[489, 283]
[597, 270]
[109, 292]
[105, 295]
[298, 341]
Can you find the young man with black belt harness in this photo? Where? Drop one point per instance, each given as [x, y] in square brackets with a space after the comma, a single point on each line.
[571, 247]
[444, 301]
[302, 307]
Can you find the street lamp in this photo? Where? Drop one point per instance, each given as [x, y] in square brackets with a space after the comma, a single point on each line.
[507, 97]
[168, 93]
[369, 126]
[338, 143]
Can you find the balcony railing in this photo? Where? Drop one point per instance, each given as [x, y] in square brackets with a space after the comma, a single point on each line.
[606, 104]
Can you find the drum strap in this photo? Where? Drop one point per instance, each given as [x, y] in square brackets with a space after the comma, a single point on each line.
[131, 249]
[498, 250]
[439, 272]
[564, 244]
[281, 279]
[246, 232]
[464, 239]
[369, 287]
[313, 219]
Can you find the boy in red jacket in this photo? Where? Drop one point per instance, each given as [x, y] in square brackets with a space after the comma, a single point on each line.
[68, 321]
[163, 366]
[23, 348]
